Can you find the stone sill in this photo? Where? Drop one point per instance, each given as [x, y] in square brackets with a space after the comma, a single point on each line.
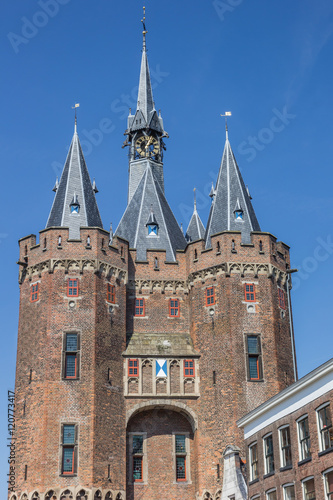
[325, 452]
[305, 461]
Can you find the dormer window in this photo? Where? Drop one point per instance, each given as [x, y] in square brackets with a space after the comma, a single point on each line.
[75, 205]
[152, 225]
[239, 214]
[152, 229]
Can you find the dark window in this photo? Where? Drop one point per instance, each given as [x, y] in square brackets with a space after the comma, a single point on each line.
[304, 438]
[34, 292]
[189, 370]
[210, 296]
[73, 288]
[111, 293]
[133, 367]
[180, 442]
[282, 299]
[269, 455]
[289, 492]
[139, 307]
[254, 357]
[250, 293]
[309, 489]
[325, 427]
[174, 308]
[253, 452]
[285, 446]
[137, 453]
[71, 352]
[69, 445]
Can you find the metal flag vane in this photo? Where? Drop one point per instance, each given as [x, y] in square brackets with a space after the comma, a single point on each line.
[226, 114]
[76, 105]
[195, 198]
[144, 27]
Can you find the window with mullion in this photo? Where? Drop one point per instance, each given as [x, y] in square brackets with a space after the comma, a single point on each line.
[69, 443]
[180, 452]
[285, 447]
[210, 296]
[71, 356]
[254, 357]
[139, 307]
[111, 293]
[304, 438]
[137, 455]
[174, 308]
[250, 293]
[325, 428]
[34, 292]
[133, 367]
[189, 369]
[73, 288]
[269, 454]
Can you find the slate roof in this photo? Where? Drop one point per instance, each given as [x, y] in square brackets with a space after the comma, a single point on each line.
[196, 229]
[146, 116]
[230, 194]
[148, 198]
[74, 183]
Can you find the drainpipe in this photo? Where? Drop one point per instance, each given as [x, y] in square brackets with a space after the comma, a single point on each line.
[289, 286]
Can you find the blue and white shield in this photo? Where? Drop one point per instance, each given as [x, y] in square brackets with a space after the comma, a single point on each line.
[161, 368]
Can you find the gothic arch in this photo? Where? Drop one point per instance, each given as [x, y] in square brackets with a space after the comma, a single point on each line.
[35, 496]
[98, 495]
[67, 495]
[109, 496]
[218, 495]
[82, 495]
[167, 405]
[50, 495]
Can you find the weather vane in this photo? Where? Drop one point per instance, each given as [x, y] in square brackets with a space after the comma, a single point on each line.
[226, 114]
[144, 26]
[76, 105]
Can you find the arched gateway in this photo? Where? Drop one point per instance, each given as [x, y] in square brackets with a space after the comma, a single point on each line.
[160, 454]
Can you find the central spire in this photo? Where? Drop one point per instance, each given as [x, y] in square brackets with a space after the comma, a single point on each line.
[145, 95]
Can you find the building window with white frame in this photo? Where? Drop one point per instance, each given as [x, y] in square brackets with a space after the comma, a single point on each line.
[271, 495]
[269, 454]
[309, 492]
[328, 480]
[253, 459]
[304, 438]
[325, 427]
[285, 446]
[289, 492]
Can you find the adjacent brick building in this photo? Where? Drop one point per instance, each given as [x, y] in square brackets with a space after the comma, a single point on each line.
[139, 350]
[290, 441]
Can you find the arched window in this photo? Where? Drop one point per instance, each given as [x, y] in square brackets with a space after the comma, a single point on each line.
[218, 248]
[108, 496]
[82, 495]
[156, 263]
[66, 495]
[98, 495]
[195, 254]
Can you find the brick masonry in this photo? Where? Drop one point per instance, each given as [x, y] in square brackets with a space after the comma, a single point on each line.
[96, 402]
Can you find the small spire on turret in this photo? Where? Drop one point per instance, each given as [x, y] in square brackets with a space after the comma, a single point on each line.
[56, 185]
[111, 235]
[94, 186]
[195, 199]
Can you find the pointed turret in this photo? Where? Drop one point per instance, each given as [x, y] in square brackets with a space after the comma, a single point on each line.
[145, 131]
[231, 208]
[195, 230]
[74, 204]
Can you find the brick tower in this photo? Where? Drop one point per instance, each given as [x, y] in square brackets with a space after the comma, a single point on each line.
[137, 352]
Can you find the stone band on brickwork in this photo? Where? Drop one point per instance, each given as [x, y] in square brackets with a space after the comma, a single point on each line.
[71, 493]
[78, 265]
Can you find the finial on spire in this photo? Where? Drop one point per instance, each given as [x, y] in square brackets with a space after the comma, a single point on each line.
[195, 199]
[144, 27]
[76, 105]
[226, 114]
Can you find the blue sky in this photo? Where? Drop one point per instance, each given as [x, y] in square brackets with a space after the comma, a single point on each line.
[270, 63]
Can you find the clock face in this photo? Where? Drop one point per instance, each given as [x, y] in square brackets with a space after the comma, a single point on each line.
[147, 145]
